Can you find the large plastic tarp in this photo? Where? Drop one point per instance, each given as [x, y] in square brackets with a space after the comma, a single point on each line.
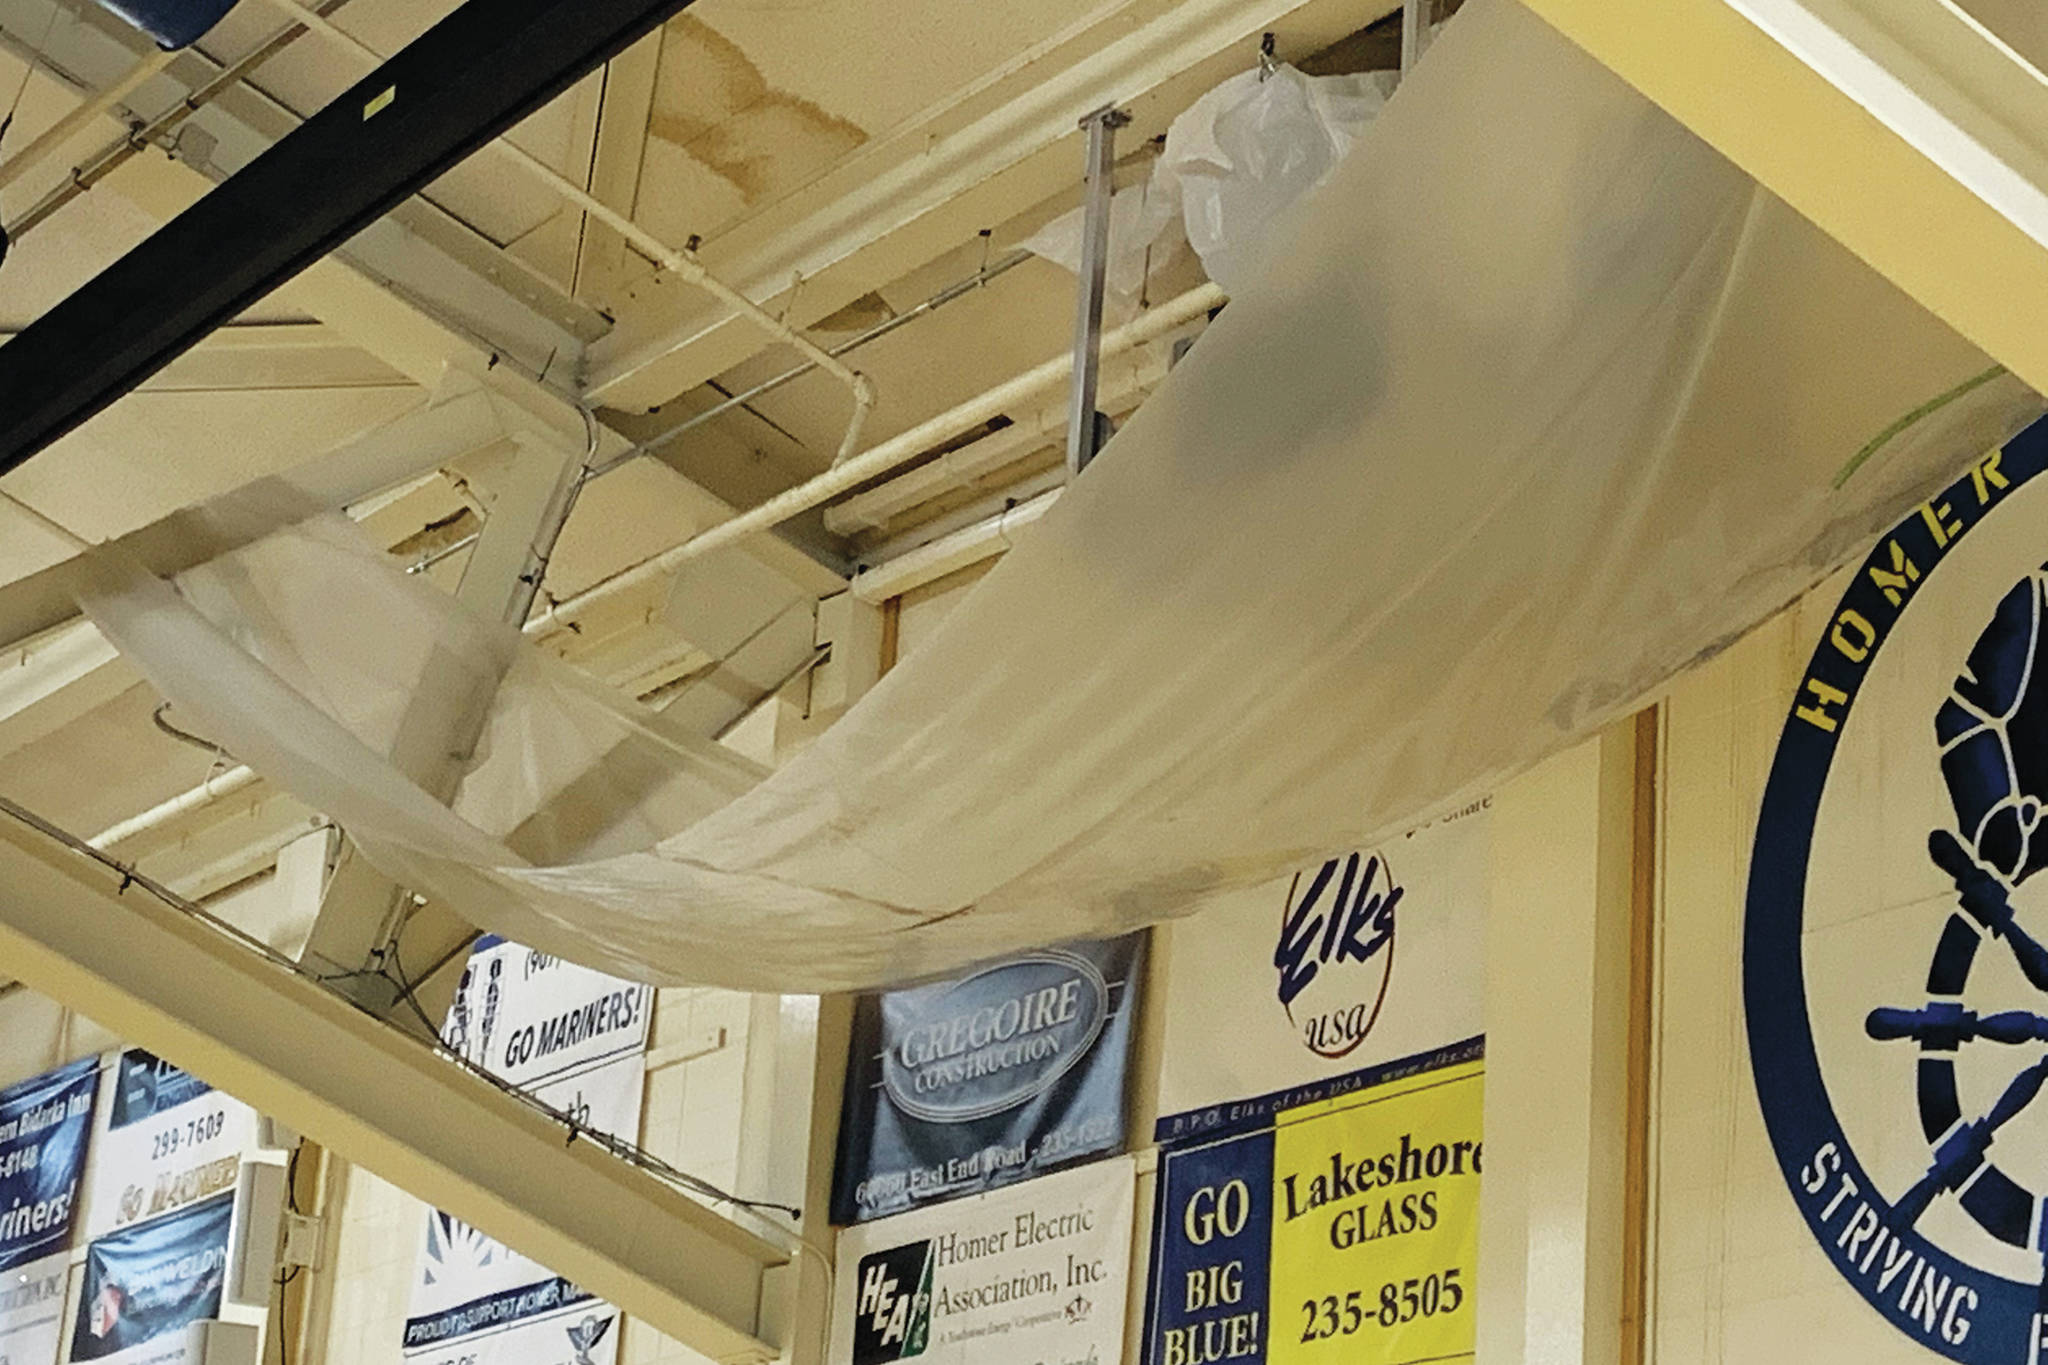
[1540, 401]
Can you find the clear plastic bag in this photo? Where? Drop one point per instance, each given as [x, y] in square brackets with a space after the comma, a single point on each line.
[1249, 150]
[1234, 162]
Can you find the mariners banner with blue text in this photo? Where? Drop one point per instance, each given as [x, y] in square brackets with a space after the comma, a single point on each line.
[171, 1140]
[1342, 1231]
[967, 1084]
[146, 1283]
[44, 1127]
[577, 1040]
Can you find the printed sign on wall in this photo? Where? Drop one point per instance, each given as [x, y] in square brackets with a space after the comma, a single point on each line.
[1036, 1274]
[146, 1283]
[171, 1141]
[44, 1124]
[577, 1040]
[1343, 1231]
[1895, 973]
[32, 1310]
[1371, 955]
[965, 1085]
[44, 1127]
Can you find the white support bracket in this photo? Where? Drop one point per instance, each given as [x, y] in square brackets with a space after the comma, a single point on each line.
[268, 1035]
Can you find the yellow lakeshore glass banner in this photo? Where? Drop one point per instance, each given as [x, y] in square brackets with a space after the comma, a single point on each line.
[1345, 1229]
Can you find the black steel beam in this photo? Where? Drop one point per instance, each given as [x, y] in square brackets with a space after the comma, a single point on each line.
[468, 79]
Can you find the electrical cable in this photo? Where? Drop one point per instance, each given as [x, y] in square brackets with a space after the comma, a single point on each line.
[156, 718]
[27, 74]
[14, 107]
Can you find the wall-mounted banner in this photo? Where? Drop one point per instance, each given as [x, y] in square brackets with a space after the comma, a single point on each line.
[577, 1040]
[961, 1086]
[1290, 988]
[44, 1125]
[1036, 1274]
[1343, 1231]
[145, 1284]
[171, 1140]
[32, 1310]
[1895, 956]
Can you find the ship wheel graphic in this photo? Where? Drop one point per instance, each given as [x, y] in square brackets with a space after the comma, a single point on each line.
[1993, 733]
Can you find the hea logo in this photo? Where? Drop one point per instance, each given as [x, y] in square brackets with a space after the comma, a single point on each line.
[1335, 955]
[893, 1317]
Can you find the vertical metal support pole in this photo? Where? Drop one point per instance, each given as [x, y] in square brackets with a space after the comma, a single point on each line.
[1414, 32]
[1081, 424]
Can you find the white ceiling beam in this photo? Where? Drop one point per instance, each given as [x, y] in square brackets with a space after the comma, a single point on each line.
[1905, 131]
[273, 1038]
[1002, 146]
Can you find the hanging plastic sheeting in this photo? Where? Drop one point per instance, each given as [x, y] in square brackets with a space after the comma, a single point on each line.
[1541, 402]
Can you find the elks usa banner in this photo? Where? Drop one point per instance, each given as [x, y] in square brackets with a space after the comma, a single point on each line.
[963, 1085]
[577, 1040]
[1344, 1231]
[1035, 1274]
[44, 1127]
[171, 1141]
[1289, 988]
[146, 1283]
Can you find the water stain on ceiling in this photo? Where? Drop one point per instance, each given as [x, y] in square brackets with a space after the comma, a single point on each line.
[712, 102]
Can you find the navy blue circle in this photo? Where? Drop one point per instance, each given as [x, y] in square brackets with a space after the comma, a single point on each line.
[1998, 1314]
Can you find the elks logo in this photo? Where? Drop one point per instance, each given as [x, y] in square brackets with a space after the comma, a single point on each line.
[893, 1316]
[1335, 955]
[1893, 960]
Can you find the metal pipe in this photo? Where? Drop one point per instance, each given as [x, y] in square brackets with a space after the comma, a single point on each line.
[79, 119]
[113, 156]
[1092, 280]
[881, 459]
[685, 263]
[875, 333]
[216, 788]
[1414, 32]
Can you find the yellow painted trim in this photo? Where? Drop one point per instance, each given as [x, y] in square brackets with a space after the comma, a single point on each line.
[1831, 159]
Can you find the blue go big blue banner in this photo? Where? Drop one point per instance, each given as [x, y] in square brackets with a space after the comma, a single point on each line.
[44, 1126]
[153, 1279]
[964, 1085]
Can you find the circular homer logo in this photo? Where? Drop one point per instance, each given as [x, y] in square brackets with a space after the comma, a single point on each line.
[1895, 957]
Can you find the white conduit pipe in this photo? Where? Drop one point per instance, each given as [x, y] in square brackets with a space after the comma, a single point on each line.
[82, 117]
[687, 265]
[219, 787]
[884, 457]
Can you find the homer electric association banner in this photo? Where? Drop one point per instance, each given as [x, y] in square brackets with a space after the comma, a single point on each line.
[964, 1085]
[145, 1284]
[171, 1141]
[1035, 1274]
[1344, 1231]
[1287, 990]
[577, 1040]
[44, 1127]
